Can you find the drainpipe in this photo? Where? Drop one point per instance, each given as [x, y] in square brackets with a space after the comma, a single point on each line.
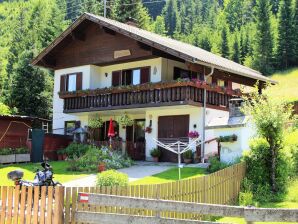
[204, 116]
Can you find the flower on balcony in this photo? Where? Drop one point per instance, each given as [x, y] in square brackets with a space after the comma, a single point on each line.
[193, 134]
[148, 129]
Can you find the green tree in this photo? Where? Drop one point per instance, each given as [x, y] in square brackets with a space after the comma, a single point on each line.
[262, 54]
[295, 33]
[235, 54]
[171, 16]
[224, 47]
[92, 6]
[269, 116]
[4, 109]
[159, 26]
[31, 89]
[285, 34]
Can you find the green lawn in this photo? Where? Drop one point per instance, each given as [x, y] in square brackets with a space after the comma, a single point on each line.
[171, 175]
[290, 201]
[287, 85]
[61, 174]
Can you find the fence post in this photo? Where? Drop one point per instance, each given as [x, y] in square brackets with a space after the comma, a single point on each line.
[157, 214]
[59, 205]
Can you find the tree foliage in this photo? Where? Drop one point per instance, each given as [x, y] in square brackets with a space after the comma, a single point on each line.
[269, 116]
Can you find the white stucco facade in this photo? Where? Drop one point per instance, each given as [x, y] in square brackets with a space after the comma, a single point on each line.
[161, 69]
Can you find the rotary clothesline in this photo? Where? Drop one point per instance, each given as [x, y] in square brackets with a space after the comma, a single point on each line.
[175, 147]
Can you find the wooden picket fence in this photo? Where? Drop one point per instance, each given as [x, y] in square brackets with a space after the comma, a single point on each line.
[221, 187]
[31, 205]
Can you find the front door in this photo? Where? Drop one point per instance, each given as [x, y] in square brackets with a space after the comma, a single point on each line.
[172, 127]
[135, 140]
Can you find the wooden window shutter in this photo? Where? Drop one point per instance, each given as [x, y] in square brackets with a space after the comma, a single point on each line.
[116, 78]
[145, 75]
[229, 85]
[79, 81]
[63, 82]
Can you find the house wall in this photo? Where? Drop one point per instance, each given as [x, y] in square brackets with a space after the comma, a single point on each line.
[94, 77]
[195, 118]
[230, 151]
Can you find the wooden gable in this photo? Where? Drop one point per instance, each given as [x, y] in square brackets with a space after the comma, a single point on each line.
[93, 44]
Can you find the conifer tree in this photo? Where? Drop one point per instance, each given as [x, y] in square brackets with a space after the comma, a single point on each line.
[294, 60]
[235, 55]
[92, 6]
[262, 54]
[285, 34]
[159, 26]
[171, 16]
[224, 47]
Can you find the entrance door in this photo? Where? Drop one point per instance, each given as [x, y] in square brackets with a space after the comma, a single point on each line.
[135, 140]
[172, 127]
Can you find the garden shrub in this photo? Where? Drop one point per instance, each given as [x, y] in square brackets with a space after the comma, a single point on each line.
[245, 198]
[258, 163]
[112, 178]
[94, 156]
[10, 151]
[215, 164]
[76, 150]
[22, 150]
[291, 148]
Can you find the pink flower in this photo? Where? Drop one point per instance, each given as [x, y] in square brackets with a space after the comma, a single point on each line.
[193, 134]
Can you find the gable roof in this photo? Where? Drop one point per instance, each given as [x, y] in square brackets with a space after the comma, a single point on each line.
[176, 48]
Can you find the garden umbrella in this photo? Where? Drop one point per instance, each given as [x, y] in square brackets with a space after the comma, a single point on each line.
[111, 132]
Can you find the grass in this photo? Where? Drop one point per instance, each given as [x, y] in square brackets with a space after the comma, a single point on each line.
[287, 85]
[171, 175]
[61, 174]
[290, 201]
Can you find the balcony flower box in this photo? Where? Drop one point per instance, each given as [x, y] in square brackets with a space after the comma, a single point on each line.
[7, 158]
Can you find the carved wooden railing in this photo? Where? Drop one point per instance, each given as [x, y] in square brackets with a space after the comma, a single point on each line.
[154, 95]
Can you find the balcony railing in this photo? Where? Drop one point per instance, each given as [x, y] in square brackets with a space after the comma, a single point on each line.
[147, 95]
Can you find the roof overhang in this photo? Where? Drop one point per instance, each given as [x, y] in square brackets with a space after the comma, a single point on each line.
[134, 35]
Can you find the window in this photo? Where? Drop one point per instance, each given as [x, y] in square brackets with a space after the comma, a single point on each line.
[71, 82]
[69, 126]
[131, 76]
[221, 83]
[180, 73]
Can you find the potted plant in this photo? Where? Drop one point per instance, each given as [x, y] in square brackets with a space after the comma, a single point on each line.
[22, 154]
[101, 167]
[187, 156]
[193, 134]
[155, 153]
[7, 155]
[125, 120]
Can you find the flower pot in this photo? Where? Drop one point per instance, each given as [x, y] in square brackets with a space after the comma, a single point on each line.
[155, 159]
[7, 158]
[101, 167]
[23, 157]
[187, 161]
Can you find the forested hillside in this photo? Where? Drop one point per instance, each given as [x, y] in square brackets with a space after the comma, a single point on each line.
[261, 34]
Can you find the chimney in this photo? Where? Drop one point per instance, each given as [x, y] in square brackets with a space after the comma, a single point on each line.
[234, 107]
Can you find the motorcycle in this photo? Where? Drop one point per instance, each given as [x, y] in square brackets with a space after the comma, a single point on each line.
[42, 177]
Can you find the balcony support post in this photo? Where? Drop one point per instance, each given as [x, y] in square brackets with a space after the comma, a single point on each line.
[204, 116]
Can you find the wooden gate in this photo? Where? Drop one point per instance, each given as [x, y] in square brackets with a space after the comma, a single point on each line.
[31, 205]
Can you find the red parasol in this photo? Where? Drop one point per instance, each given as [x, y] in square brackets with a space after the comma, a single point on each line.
[111, 132]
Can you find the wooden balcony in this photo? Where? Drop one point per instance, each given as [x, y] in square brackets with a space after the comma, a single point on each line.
[147, 95]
